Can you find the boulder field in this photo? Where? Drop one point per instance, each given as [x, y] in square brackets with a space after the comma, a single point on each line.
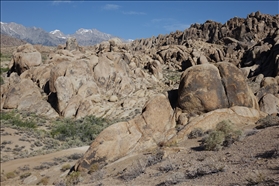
[194, 78]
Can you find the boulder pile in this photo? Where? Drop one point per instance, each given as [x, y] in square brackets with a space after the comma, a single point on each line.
[192, 78]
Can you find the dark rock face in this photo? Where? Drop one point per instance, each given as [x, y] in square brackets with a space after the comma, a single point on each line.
[204, 88]
[201, 90]
[237, 90]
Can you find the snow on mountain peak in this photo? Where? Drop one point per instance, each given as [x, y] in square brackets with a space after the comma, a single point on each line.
[54, 32]
[82, 31]
[2, 23]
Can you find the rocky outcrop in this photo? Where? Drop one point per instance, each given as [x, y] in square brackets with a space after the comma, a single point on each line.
[255, 27]
[229, 72]
[23, 94]
[269, 104]
[204, 88]
[153, 127]
[25, 57]
[238, 115]
[71, 44]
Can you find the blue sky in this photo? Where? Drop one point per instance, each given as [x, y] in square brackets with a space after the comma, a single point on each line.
[127, 19]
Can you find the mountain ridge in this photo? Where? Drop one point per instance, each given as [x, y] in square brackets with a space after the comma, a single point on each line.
[35, 35]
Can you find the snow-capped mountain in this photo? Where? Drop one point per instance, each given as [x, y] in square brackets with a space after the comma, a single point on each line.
[36, 35]
[31, 35]
[59, 34]
[85, 36]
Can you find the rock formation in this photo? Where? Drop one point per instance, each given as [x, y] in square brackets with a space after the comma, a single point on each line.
[193, 78]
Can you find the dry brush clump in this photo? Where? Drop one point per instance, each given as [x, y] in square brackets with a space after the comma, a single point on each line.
[223, 136]
[268, 121]
[195, 133]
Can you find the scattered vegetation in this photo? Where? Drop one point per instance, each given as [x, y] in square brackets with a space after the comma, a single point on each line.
[93, 168]
[4, 70]
[172, 76]
[14, 119]
[25, 175]
[203, 170]
[65, 167]
[73, 179]
[268, 121]
[84, 130]
[10, 175]
[6, 57]
[43, 181]
[54, 135]
[223, 136]
[259, 179]
[195, 133]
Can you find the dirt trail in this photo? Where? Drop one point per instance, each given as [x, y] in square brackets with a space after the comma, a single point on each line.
[37, 160]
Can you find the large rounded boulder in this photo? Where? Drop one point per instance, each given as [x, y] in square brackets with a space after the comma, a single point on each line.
[207, 87]
[25, 57]
[201, 90]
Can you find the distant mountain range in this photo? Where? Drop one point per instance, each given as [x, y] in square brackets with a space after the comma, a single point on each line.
[34, 35]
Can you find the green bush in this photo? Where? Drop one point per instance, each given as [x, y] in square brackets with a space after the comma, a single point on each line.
[223, 136]
[14, 119]
[85, 129]
[3, 70]
[10, 175]
[5, 57]
[73, 179]
[214, 141]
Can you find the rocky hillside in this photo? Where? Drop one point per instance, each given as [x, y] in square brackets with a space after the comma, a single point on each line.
[161, 89]
[35, 35]
[7, 41]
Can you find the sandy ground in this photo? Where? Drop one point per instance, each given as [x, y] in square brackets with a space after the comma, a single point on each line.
[37, 160]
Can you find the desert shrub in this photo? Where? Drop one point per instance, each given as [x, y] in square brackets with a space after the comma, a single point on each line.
[259, 179]
[24, 168]
[4, 70]
[10, 175]
[5, 57]
[25, 175]
[268, 121]
[203, 170]
[45, 165]
[75, 156]
[223, 136]
[43, 181]
[94, 167]
[65, 167]
[14, 119]
[85, 129]
[6, 142]
[195, 133]
[7, 115]
[214, 141]
[73, 179]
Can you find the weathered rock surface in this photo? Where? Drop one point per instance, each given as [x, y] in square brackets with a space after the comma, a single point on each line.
[71, 44]
[269, 104]
[23, 94]
[204, 88]
[201, 90]
[229, 71]
[154, 126]
[25, 57]
[238, 115]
